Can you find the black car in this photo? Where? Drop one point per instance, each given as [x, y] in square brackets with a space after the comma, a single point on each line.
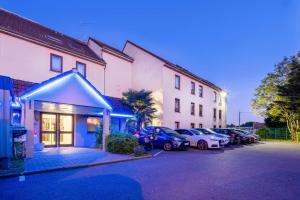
[166, 138]
[235, 138]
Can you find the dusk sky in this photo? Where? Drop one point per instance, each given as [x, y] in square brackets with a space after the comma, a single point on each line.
[232, 43]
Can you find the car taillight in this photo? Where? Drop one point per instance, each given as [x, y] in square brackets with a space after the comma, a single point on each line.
[232, 135]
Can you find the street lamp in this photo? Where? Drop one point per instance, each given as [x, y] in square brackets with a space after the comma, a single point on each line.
[240, 116]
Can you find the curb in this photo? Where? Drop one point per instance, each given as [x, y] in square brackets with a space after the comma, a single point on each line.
[74, 167]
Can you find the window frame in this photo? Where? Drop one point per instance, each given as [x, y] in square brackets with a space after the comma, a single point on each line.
[77, 62]
[215, 96]
[61, 63]
[177, 125]
[179, 82]
[215, 113]
[200, 90]
[193, 108]
[193, 88]
[192, 125]
[200, 110]
[177, 110]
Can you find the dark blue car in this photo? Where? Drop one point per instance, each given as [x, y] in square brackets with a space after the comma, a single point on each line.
[166, 138]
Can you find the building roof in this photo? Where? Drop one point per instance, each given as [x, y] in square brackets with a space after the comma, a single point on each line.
[176, 67]
[119, 106]
[111, 49]
[30, 30]
[21, 87]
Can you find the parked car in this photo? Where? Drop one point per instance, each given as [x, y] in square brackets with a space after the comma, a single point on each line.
[207, 131]
[166, 138]
[200, 140]
[254, 137]
[234, 137]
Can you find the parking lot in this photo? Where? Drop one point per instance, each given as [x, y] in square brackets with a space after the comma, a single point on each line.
[256, 171]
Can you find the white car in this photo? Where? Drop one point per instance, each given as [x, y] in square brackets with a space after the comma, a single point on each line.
[207, 131]
[200, 140]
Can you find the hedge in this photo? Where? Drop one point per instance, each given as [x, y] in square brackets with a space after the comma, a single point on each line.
[121, 143]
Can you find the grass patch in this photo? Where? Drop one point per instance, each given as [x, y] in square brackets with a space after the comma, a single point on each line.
[279, 140]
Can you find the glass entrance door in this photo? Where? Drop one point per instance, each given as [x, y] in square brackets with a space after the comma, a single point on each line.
[65, 130]
[48, 130]
[57, 130]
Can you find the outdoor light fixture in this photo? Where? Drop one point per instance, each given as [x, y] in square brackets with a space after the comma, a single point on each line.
[48, 86]
[223, 93]
[119, 115]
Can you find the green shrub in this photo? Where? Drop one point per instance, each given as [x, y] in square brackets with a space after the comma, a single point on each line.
[121, 143]
[139, 151]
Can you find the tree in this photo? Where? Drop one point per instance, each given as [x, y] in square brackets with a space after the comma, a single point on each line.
[289, 97]
[142, 104]
[247, 124]
[278, 95]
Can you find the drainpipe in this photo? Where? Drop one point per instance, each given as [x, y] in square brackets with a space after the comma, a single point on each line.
[104, 79]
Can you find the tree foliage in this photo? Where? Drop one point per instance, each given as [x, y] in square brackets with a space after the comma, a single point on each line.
[278, 96]
[142, 104]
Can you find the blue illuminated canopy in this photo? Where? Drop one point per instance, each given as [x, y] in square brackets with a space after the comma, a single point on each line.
[68, 88]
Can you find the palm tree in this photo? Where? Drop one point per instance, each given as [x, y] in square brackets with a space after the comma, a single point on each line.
[142, 104]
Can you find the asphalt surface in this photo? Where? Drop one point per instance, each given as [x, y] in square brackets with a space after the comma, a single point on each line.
[262, 171]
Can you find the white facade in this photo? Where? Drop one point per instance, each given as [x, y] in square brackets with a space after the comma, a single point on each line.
[24, 59]
[154, 73]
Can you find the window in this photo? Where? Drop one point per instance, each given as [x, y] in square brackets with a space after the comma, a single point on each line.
[200, 110]
[215, 114]
[177, 125]
[200, 91]
[220, 126]
[220, 114]
[81, 68]
[93, 124]
[192, 108]
[192, 88]
[215, 96]
[200, 126]
[215, 126]
[56, 63]
[177, 105]
[192, 125]
[177, 82]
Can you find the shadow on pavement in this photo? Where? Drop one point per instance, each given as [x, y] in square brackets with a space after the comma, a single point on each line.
[104, 187]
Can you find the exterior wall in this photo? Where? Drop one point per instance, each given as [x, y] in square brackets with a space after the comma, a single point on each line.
[118, 75]
[147, 74]
[81, 136]
[186, 98]
[150, 73]
[20, 59]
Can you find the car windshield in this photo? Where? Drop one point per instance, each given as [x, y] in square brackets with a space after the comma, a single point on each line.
[196, 132]
[170, 132]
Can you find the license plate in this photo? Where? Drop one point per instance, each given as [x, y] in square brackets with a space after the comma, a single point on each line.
[186, 143]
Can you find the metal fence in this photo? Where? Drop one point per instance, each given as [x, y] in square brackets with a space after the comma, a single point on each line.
[274, 133]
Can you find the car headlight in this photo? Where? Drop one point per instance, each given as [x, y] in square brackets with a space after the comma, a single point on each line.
[214, 138]
[177, 139]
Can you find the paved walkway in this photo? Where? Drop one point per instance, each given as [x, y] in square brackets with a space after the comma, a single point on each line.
[68, 157]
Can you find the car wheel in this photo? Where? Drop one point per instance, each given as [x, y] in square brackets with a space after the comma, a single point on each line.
[202, 145]
[167, 146]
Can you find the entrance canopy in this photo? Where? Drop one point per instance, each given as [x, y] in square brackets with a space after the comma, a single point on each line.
[69, 88]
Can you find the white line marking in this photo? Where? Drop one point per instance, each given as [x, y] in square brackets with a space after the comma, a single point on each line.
[157, 153]
[21, 178]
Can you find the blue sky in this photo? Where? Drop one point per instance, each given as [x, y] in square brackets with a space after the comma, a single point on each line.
[232, 43]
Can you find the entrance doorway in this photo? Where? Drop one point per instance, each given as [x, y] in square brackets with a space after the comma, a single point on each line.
[57, 129]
